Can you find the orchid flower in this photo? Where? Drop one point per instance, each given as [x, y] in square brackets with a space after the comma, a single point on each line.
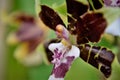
[86, 26]
[28, 36]
[63, 54]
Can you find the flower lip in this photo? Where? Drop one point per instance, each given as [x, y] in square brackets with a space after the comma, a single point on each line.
[63, 56]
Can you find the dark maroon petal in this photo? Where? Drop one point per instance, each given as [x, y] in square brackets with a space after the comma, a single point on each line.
[96, 25]
[106, 56]
[97, 55]
[48, 52]
[76, 8]
[71, 24]
[28, 31]
[84, 52]
[96, 4]
[61, 70]
[82, 40]
[106, 70]
[50, 17]
[90, 27]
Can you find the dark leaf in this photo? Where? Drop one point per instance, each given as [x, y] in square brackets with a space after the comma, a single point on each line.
[50, 17]
[98, 57]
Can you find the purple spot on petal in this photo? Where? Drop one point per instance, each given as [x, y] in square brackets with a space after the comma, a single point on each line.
[70, 59]
[63, 68]
[118, 2]
[112, 3]
[57, 54]
[108, 2]
[56, 50]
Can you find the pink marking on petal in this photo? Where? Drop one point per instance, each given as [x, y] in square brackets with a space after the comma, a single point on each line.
[63, 68]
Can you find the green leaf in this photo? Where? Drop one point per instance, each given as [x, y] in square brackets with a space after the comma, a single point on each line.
[81, 70]
[41, 72]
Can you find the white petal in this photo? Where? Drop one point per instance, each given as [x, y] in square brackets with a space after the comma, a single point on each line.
[114, 28]
[52, 77]
[53, 46]
[62, 63]
[74, 51]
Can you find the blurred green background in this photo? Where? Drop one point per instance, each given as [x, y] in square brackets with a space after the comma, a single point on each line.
[10, 69]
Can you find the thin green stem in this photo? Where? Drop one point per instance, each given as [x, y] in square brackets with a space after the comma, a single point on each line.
[101, 1]
[37, 7]
[91, 3]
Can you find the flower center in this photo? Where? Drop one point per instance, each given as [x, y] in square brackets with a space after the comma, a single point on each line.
[58, 56]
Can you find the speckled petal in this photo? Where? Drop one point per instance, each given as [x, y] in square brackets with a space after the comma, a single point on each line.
[62, 59]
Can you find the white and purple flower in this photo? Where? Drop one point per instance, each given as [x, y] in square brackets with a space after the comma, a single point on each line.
[28, 35]
[62, 59]
[63, 54]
